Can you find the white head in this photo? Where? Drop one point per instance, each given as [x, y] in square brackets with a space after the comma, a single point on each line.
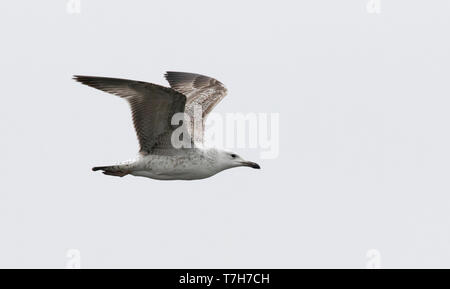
[227, 160]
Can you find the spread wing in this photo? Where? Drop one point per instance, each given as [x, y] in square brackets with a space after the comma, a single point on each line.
[203, 94]
[152, 107]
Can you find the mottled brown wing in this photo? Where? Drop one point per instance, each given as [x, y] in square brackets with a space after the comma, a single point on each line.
[152, 107]
[203, 94]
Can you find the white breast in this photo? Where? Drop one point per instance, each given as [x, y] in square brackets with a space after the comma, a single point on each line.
[191, 165]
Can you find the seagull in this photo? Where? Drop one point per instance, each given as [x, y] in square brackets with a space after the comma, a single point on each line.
[153, 107]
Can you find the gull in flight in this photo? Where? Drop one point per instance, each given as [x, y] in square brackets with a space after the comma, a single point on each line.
[153, 107]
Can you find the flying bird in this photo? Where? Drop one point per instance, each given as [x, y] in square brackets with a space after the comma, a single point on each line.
[153, 107]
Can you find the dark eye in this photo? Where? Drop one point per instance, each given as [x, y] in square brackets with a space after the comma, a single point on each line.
[233, 156]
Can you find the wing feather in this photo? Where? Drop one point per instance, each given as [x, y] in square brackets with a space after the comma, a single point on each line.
[203, 93]
[152, 107]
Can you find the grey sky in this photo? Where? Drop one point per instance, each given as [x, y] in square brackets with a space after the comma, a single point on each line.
[364, 140]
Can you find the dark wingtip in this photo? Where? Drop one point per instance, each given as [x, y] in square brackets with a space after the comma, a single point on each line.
[169, 75]
[85, 79]
[78, 78]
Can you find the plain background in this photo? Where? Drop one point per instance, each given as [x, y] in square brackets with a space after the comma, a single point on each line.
[364, 155]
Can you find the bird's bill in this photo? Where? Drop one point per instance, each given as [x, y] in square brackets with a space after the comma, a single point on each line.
[251, 164]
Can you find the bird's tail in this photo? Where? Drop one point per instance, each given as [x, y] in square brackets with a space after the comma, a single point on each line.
[117, 171]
